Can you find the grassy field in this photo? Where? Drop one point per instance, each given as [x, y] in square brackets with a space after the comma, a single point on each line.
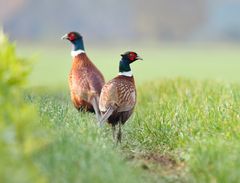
[52, 64]
[183, 130]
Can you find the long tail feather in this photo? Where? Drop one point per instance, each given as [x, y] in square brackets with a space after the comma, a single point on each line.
[107, 114]
[95, 101]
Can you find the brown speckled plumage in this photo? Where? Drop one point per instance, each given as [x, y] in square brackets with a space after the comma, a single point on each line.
[118, 96]
[117, 102]
[85, 82]
[119, 93]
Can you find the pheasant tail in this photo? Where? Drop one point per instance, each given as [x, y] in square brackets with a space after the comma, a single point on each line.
[94, 102]
[107, 114]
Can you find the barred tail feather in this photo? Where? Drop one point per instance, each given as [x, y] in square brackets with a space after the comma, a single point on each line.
[107, 114]
[94, 102]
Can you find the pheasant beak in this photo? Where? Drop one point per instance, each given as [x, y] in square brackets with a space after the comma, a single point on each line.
[64, 37]
[138, 58]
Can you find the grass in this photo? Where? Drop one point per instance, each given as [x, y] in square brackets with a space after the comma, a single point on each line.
[181, 131]
[79, 151]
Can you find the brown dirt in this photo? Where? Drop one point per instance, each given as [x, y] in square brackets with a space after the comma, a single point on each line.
[159, 165]
[163, 160]
[166, 162]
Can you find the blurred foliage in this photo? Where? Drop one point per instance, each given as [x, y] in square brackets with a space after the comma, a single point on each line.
[19, 132]
[215, 160]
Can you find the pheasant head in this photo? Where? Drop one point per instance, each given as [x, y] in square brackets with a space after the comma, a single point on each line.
[124, 65]
[76, 39]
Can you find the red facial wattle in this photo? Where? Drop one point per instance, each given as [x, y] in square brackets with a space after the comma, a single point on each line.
[132, 56]
[71, 37]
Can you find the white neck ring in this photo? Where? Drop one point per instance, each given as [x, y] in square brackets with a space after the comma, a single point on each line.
[77, 52]
[128, 74]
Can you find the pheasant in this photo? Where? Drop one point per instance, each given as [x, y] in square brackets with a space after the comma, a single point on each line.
[85, 80]
[118, 96]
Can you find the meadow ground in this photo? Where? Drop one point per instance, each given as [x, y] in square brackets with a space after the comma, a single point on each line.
[183, 130]
[52, 64]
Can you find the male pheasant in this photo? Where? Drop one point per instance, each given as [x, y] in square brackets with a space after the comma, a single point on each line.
[85, 80]
[118, 96]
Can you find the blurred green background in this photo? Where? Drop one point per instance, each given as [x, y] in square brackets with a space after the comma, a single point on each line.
[195, 39]
[221, 63]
